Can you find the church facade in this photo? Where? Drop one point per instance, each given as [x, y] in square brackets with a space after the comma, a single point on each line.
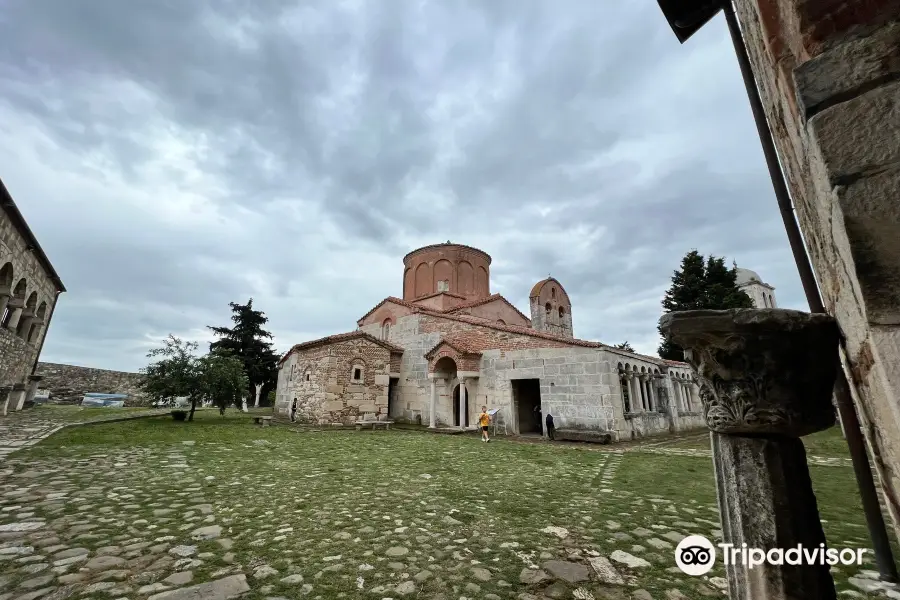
[449, 346]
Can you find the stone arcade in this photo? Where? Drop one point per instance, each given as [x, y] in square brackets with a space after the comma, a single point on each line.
[29, 288]
[450, 346]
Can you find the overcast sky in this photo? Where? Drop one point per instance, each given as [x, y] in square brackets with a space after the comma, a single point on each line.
[173, 156]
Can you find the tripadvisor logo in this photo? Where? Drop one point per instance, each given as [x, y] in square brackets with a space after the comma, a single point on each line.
[696, 555]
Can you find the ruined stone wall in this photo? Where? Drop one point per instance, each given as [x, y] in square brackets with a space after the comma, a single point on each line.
[322, 380]
[829, 76]
[67, 384]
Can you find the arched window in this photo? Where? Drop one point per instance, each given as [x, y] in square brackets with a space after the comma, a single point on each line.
[548, 308]
[553, 293]
[386, 329]
[562, 312]
[501, 321]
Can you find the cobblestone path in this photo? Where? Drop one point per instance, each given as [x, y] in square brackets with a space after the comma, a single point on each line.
[28, 427]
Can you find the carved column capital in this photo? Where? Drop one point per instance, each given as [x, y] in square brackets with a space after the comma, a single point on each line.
[760, 371]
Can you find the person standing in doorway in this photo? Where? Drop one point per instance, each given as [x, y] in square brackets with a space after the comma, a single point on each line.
[551, 429]
[484, 420]
[294, 411]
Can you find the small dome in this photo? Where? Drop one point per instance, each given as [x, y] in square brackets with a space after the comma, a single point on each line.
[745, 276]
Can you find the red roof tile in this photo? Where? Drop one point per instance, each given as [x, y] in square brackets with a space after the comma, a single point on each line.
[487, 300]
[341, 337]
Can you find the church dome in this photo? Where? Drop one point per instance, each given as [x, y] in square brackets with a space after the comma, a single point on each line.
[745, 276]
[451, 268]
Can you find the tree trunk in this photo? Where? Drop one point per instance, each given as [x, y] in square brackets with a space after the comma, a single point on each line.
[193, 406]
[258, 390]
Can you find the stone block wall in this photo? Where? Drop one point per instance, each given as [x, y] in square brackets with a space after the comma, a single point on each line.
[829, 76]
[321, 379]
[16, 358]
[67, 384]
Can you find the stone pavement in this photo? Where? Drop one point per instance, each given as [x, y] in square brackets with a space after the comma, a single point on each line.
[25, 428]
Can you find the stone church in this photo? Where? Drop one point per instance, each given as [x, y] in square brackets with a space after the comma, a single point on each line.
[449, 346]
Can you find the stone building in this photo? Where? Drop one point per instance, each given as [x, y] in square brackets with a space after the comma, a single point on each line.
[450, 346]
[762, 294]
[829, 77]
[29, 289]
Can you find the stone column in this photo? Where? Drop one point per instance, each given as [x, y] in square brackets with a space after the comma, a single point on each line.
[4, 399]
[651, 385]
[633, 392]
[645, 390]
[24, 325]
[14, 319]
[17, 397]
[33, 382]
[4, 300]
[679, 399]
[766, 379]
[432, 421]
[462, 403]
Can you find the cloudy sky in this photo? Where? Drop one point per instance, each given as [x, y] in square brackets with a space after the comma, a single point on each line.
[174, 156]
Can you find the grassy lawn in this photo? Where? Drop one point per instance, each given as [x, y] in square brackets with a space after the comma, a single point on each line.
[74, 414]
[828, 443]
[345, 514]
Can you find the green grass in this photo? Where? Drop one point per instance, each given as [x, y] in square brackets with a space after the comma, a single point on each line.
[293, 499]
[828, 443]
[74, 414]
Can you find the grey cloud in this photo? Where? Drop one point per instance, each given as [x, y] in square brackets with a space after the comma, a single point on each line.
[341, 135]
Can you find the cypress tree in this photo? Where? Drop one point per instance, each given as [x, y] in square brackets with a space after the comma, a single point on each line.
[701, 284]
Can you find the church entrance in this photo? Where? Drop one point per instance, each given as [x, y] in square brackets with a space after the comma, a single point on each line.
[456, 407]
[527, 403]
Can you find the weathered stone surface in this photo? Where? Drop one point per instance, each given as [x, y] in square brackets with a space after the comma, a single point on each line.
[567, 571]
[629, 560]
[583, 435]
[769, 503]
[605, 571]
[531, 576]
[762, 371]
[207, 533]
[104, 562]
[221, 589]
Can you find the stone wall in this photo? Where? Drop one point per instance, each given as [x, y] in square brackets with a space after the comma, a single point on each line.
[829, 77]
[16, 358]
[67, 384]
[579, 385]
[321, 378]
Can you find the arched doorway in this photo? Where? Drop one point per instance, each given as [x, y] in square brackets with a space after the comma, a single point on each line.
[456, 407]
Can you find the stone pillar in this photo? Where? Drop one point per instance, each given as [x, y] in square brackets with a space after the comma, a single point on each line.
[14, 319]
[432, 421]
[651, 385]
[24, 326]
[678, 401]
[17, 397]
[462, 403]
[633, 392]
[4, 399]
[33, 382]
[4, 300]
[766, 379]
[645, 390]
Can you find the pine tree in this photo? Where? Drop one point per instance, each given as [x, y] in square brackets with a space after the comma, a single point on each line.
[624, 346]
[701, 284]
[248, 341]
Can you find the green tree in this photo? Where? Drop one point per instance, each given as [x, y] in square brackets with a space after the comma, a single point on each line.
[701, 284]
[249, 342]
[624, 346]
[174, 373]
[221, 379]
